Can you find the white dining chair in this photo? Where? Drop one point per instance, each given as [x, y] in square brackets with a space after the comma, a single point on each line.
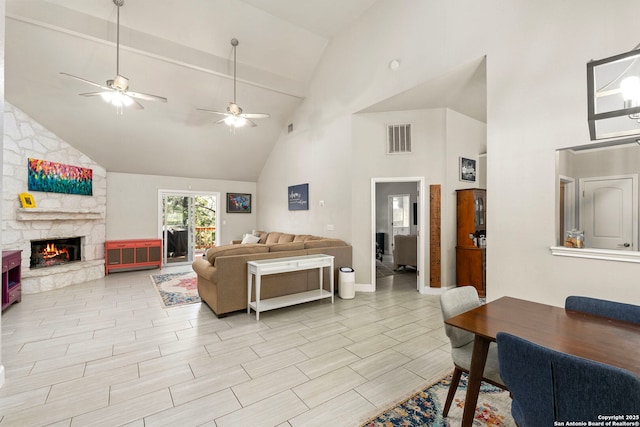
[457, 301]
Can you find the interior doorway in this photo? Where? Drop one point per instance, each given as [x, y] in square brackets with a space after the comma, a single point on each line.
[188, 224]
[397, 209]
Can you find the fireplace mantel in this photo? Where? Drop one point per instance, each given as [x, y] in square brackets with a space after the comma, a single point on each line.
[58, 214]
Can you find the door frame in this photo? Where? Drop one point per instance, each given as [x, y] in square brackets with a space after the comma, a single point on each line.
[422, 235]
[186, 193]
[569, 219]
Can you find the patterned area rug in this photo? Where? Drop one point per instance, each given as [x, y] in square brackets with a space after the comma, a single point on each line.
[177, 288]
[387, 269]
[425, 408]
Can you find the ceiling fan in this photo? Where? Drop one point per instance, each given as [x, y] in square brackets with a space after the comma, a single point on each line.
[116, 91]
[234, 117]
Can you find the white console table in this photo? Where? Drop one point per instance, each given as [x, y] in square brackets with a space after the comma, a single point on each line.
[264, 267]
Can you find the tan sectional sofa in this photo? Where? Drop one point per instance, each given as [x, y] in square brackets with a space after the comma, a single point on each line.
[222, 272]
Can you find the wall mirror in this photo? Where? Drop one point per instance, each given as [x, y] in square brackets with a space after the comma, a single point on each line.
[597, 194]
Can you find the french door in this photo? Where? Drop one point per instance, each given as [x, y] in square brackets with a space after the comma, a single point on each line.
[188, 224]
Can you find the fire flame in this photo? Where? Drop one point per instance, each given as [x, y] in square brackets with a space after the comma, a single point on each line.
[51, 251]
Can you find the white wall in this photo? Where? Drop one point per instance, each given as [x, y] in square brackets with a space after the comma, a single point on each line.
[536, 90]
[132, 205]
[318, 158]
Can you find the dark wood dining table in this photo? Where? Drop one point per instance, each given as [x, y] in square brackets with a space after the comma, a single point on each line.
[591, 337]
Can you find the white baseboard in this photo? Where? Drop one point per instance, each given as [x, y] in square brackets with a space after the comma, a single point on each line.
[434, 291]
[364, 287]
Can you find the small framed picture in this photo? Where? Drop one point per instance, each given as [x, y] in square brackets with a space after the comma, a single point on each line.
[467, 169]
[27, 200]
[238, 203]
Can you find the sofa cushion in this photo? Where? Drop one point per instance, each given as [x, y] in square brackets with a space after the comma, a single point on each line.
[226, 250]
[271, 237]
[302, 237]
[324, 243]
[277, 237]
[289, 246]
[286, 238]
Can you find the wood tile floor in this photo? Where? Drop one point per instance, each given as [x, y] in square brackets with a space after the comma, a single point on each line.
[106, 353]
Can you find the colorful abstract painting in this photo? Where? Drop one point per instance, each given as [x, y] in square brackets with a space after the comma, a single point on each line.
[52, 177]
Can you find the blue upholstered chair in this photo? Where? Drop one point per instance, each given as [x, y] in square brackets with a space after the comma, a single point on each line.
[548, 386]
[453, 302]
[604, 308]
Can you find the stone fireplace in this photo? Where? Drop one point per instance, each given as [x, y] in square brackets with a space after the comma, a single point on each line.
[56, 215]
[56, 224]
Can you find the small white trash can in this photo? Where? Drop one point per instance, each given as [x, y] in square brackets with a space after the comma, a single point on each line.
[346, 283]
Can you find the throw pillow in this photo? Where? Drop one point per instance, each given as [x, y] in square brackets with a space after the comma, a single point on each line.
[250, 238]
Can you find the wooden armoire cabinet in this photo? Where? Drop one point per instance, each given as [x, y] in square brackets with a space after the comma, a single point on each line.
[470, 251]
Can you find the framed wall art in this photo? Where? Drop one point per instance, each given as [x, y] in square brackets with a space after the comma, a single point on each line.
[298, 197]
[238, 203]
[52, 177]
[467, 169]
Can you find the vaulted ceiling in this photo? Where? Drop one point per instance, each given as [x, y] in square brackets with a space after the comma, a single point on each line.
[179, 50]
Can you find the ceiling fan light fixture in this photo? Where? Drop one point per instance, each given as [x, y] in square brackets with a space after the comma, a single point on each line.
[125, 100]
[117, 99]
[235, 121]
[106, 96]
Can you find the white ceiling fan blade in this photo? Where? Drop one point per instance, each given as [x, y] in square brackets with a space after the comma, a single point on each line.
[146, 96]
[212, 111]
[86, 81]
[93, 93]
[220, 121]
[117, 98]
[251, 123]
[254, 115]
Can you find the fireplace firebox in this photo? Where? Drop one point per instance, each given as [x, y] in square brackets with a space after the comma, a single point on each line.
[50, 252]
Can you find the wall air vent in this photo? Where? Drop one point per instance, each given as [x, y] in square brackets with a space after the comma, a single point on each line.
[398, 139]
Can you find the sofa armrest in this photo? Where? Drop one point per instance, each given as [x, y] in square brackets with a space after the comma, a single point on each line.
[203, 268]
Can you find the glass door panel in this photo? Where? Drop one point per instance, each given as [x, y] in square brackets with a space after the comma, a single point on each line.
[175, 230]
[188, 225]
